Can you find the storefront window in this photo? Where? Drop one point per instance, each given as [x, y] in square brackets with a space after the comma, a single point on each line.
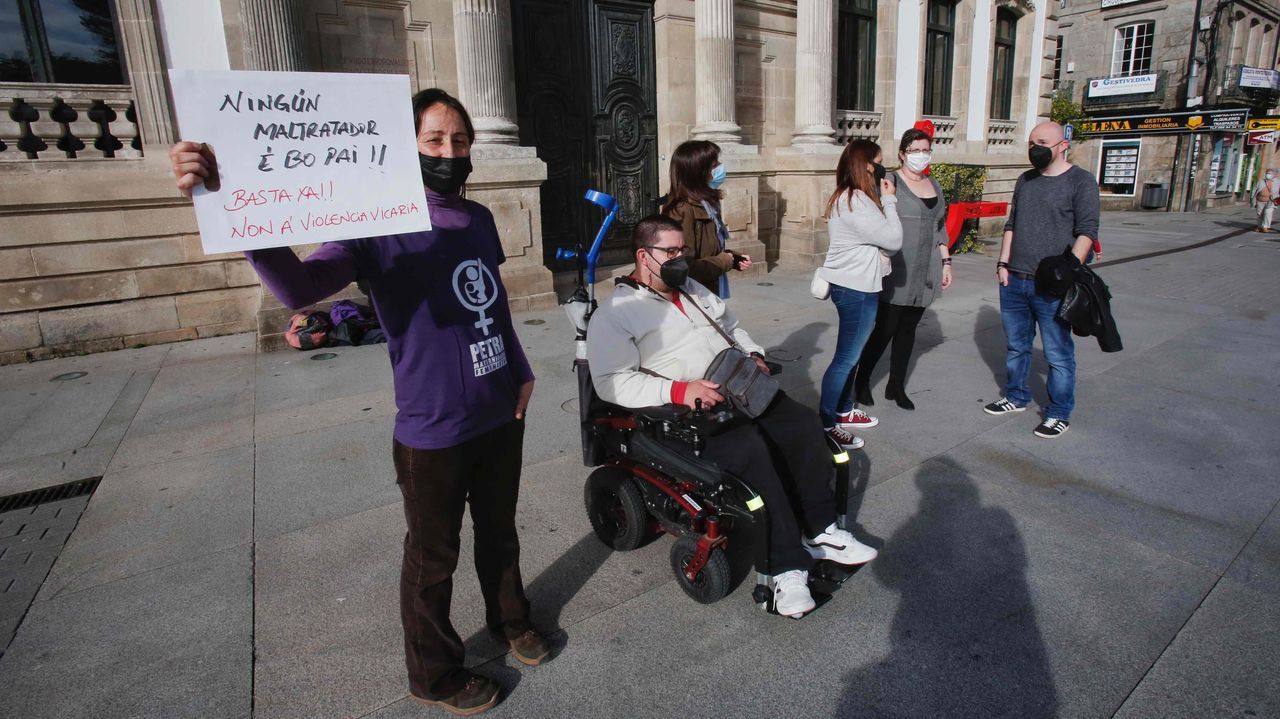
[1224, 167]
[1118, 167]
[63, 41]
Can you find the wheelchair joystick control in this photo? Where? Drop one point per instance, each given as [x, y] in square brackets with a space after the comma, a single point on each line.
[697, 407]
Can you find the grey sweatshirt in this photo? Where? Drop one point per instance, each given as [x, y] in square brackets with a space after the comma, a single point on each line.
[1048, 213]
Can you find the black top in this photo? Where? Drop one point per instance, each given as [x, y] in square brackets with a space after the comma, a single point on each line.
[930, 202]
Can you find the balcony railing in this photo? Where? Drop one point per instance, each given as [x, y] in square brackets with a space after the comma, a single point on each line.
[857, 125]
[944, 129]
[1002, 133]
[42, 122]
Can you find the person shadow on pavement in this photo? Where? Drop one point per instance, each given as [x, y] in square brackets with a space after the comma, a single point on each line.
[994, 348]
[964, 641]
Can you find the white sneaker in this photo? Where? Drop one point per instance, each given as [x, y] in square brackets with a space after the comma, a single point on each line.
[791, 597]
[839, 546]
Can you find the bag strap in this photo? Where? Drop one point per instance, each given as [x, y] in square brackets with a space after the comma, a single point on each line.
[651, 373]
[715, 324]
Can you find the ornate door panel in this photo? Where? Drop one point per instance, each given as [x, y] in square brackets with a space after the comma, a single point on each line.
[624, 123]
[586, 99]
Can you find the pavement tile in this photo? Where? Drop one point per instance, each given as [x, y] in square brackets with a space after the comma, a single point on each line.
[149, 517]
[67, 418]
[1258, 566]
[1222, 663]
[169, 644]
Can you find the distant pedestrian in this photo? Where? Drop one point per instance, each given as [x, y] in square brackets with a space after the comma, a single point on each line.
[862, 221]
[917, 273]
[1264, 200]
[1055, 207]
[694, 201]
[461, 387]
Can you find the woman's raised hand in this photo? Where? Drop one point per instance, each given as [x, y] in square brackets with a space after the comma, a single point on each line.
[193, 164]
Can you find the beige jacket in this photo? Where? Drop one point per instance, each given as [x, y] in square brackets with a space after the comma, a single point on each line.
[638, 328]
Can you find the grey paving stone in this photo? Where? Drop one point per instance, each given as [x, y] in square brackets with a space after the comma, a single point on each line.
[144, 518]
[1222, 664]
[66, 419]
[53, 469]
[291, 379]
[196, 394]
[318, 476]
[19, 402]
[31, 374]
[202, 350]
[1258, 566]
[169, 644]
[27, 555]
[1191, 484]
[126, 406]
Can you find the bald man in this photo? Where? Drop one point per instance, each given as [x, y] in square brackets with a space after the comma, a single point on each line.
[1055, 207]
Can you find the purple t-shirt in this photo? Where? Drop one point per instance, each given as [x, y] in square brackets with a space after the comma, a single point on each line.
[456, 362]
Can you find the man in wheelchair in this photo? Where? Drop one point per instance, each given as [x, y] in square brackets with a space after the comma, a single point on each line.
[652, 342]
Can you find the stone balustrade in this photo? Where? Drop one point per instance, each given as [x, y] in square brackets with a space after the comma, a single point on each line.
[944, 129]
[856, 125]
[1002, 133]
[45, 122]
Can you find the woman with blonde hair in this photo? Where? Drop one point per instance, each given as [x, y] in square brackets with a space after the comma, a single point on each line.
[862, 221]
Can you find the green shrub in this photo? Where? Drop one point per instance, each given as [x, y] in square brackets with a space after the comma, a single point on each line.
[962, 183]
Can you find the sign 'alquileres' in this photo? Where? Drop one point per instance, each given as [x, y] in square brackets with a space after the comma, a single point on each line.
[302, 157]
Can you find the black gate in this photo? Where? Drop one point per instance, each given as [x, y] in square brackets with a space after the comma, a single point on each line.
[586, 100]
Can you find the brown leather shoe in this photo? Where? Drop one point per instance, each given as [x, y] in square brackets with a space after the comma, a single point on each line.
[478, 695]
[530, 648]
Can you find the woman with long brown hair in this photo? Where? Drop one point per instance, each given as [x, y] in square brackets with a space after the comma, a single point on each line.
[862, 221]
[694, 201]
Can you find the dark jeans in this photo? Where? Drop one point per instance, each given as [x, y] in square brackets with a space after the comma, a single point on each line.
[894, 324]
[857, 317]
[437, 484]
[1022, 309]
[783, 456]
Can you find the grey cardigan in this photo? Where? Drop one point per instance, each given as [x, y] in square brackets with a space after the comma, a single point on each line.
[916, 274]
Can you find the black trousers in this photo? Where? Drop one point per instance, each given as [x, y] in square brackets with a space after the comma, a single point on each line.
[783, 456]
[437, 485]
[896, 324]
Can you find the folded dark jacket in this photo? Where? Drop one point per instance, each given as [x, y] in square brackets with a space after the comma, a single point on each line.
[1086, 306]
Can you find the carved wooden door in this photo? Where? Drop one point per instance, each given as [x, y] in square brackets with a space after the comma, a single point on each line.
[586, 99]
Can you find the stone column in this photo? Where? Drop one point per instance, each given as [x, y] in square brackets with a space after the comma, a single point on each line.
[272, 35]
[815, 72]
[486, 71]
[713, 58]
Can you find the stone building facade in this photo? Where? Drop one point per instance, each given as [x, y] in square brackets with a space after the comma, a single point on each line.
[98, 251]
[1123, 60]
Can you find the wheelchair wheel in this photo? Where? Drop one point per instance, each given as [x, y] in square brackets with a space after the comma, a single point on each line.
[712, 583]
[616, 509]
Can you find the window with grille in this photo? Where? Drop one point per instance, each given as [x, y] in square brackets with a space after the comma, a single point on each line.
[1002, 76]
[938, 49]
[1132, 54]
[65, 41]
[1057, 65]
[856, 64]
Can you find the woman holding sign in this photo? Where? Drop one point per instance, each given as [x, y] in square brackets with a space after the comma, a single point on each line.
[462, 384]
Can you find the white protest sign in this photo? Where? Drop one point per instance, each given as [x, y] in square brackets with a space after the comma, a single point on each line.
[302, 157]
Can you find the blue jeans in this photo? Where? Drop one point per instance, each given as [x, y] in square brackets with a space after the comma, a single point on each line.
[857, 317]
[1021, 310]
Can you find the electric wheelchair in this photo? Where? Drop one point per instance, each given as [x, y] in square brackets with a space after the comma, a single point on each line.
[650, 479]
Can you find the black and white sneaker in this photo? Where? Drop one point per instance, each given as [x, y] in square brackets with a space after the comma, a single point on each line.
[1002, 406]
[839, 546]
[1051, 428]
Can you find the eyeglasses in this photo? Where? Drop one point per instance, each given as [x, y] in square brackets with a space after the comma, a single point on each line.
[671, 251]
[917, 151]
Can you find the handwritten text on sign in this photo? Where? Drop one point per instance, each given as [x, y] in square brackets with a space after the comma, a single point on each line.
[302, 157]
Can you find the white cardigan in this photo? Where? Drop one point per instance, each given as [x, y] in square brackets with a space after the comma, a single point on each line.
[857, 238]
[636, 327]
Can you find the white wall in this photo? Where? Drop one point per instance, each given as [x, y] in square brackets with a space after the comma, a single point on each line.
[193, 34]
[907, 70]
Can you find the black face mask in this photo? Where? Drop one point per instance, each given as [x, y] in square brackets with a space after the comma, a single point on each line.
[674, 272]
[1041, 156]
[878, 171]
[445, 175]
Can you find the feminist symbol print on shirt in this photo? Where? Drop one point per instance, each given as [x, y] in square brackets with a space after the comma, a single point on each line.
[476, 289]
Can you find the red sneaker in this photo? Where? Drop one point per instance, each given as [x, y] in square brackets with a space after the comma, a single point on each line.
[856, 419]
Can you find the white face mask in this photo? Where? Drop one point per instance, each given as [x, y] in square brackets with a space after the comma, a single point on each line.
[1267, 176]
[918, 161]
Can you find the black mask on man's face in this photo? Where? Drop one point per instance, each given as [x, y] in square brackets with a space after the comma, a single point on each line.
[1041, 156]
[445, 175]
[673, 272]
